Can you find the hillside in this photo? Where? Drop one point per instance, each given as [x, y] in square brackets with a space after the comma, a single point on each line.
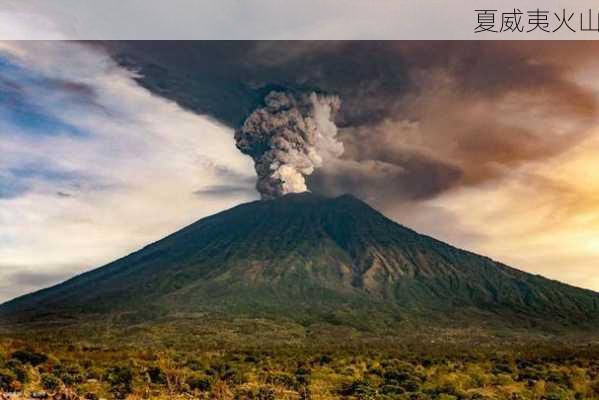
[312, 259]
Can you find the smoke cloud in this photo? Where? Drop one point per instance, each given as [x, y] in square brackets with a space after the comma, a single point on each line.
[419, 119]
[288, 138]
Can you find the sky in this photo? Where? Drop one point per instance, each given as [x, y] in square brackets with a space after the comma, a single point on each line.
[106, 147]
[93, 166]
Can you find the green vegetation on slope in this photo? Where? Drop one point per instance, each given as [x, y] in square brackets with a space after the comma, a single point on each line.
[311, 259]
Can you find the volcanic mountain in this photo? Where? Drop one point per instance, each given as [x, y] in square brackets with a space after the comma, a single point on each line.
[307, 258]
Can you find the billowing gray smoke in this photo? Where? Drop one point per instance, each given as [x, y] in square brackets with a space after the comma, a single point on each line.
[288, 138]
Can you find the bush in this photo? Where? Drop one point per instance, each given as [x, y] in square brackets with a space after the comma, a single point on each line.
[71, 379]
[398, 376]
[7, 380]
[120, 380]
[225, 372]
[410, 385]
[554, 396]
[93, 373]
[531, 374]
[502, 368]
[18, 369]
[195, 365]
[29, 357]
[266, 393]
[358, 387]
[156, 375]
[325, 359]
[281, 379]
[199, 382]
[251, 359]
[50, 382]
[559, 378]
[392, 389]
[69, 374]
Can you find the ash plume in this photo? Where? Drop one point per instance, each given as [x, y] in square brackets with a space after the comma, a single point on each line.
[288, 138]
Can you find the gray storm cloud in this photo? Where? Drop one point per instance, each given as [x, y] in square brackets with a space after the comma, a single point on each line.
[418, 120]
[288, 138]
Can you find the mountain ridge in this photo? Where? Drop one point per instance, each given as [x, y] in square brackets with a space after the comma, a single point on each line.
[312, 258]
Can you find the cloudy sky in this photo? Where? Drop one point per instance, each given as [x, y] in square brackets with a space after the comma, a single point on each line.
[106, 146]
[94, 166]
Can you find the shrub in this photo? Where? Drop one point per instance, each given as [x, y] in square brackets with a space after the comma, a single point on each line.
[531, 374]
[225, 372]
[502, 368]
[199, 382]
[18, 369]
[358, 387]
[50, 382]
[392, 389]
[251, 359]
[29, 357]
[266, 393]
[120, 380]
[410, 385]
[281, 379]
[559, 378]
[93, 373]
[398, 376]
[69, 374]
[244, 394]
[7, 380]
[445, 396]
[156, 375]
[71, 379]
[195, 365]
[324, 359]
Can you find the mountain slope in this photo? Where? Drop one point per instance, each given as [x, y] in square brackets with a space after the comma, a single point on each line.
[310, 259]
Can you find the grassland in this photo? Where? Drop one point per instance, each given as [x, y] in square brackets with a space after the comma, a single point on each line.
[263, 360]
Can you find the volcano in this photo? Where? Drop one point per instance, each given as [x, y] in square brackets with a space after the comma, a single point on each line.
[308, 258]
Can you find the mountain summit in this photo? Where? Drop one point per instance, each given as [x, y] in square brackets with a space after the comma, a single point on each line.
[312, 259]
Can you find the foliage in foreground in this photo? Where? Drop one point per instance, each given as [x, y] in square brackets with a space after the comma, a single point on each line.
[425, 371]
